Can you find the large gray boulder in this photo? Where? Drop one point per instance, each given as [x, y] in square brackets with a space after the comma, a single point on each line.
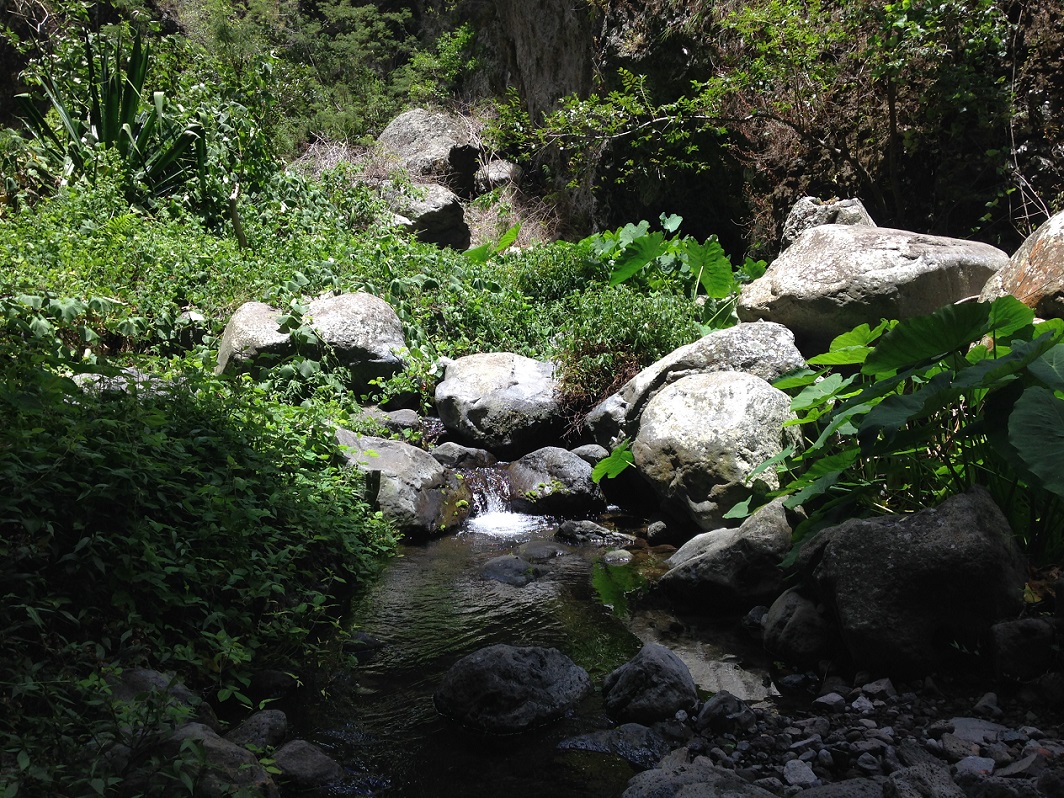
[502, 402]
[764, 349]
[413, 491]
[305, 766]
[724, 569]
[251, 333]
[553, 481]
[702, 436]
[224, 768]
[433, 144]
[505, 689]
[363, 331]
[813, 212]
[798, 631]
[1035, 273]
[903, 588]
[835, 277]
[654, 685]
[435, 215]
[677, 777]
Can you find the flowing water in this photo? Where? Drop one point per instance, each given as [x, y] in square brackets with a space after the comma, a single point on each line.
[431, 607]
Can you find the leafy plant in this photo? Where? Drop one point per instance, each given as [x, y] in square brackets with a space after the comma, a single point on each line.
[909, 412]
[157, 152]
[615, 463]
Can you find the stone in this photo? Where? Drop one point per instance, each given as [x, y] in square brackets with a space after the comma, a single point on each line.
[975, 766]
[701, 437]
[511, 570]
[506, 689]
[675, 777]
[848, 788]
[225, 768]
[654, 685]
[813, 212]
[921, 781]
[364, 333]
[435, 215]
[261, 730]
[454, 455]
[554, 481]
[727, 568]
[252, 338]
[797, 630]
[1025, 648]
[502, 402]
[305, 765]
[433, 144]
[588, 533]
[764, 350]
[798, 774]
[406, 484]
[592, 453]
[1035, 272]
[496, 173]
[903, 587]
[835, 277]
[725, 713]
[640, 745]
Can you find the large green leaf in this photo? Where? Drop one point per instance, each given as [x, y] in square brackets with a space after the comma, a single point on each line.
[1036, 429]
[926, 339]
[711, 266]
[637, 255]
[1049, 368]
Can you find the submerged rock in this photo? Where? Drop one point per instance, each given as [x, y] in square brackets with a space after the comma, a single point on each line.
[505, 689]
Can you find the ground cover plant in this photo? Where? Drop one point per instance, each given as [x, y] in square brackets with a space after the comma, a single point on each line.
[897, 417]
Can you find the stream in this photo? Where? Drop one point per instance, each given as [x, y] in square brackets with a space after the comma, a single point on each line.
[430, 607]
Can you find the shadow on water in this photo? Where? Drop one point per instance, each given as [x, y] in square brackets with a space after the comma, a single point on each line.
[429, 608]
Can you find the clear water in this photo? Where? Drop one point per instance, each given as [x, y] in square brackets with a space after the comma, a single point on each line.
[431, 607]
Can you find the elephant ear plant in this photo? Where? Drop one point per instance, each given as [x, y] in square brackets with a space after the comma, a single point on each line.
[157, 152]
[900, 416]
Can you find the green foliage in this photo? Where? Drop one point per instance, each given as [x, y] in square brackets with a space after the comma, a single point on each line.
[182, 521]
[969, 395]
[110, 113]
[676, 264]
[615, 463]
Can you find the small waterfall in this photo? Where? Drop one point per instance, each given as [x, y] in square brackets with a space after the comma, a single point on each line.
[491, 506]
[490, 489]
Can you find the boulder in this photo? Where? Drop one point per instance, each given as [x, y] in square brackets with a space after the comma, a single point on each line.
[502, 402]
[904, 588]
[454, 455]
[725, 713]
[813, 212]
[363, 331]
[654, 685]
[509, 569]
[676, 777]
[406, 484]
[495, 174]
[225, 768]
[435, 215]
[702, 436]
[553, 481]
[922, 781]
[505, 689]
[1035, 273]
[306, 766]
[251, 333]
[1026, 648]
[641, 746]
[261, 730]
[433, 144]
[797, 631]
[764, 350]
[835, 277]
[728, 568]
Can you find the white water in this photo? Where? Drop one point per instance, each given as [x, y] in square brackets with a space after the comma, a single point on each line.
[491, 508]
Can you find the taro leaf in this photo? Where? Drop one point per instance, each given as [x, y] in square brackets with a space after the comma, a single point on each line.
[799, 378]
[926, 339]
[709, 262]
[1049, 368]
[851, 347]
[1009, 315]
[637, 255]
[612, 465]
[1036, 429]
[820, 392]
[670, 223]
